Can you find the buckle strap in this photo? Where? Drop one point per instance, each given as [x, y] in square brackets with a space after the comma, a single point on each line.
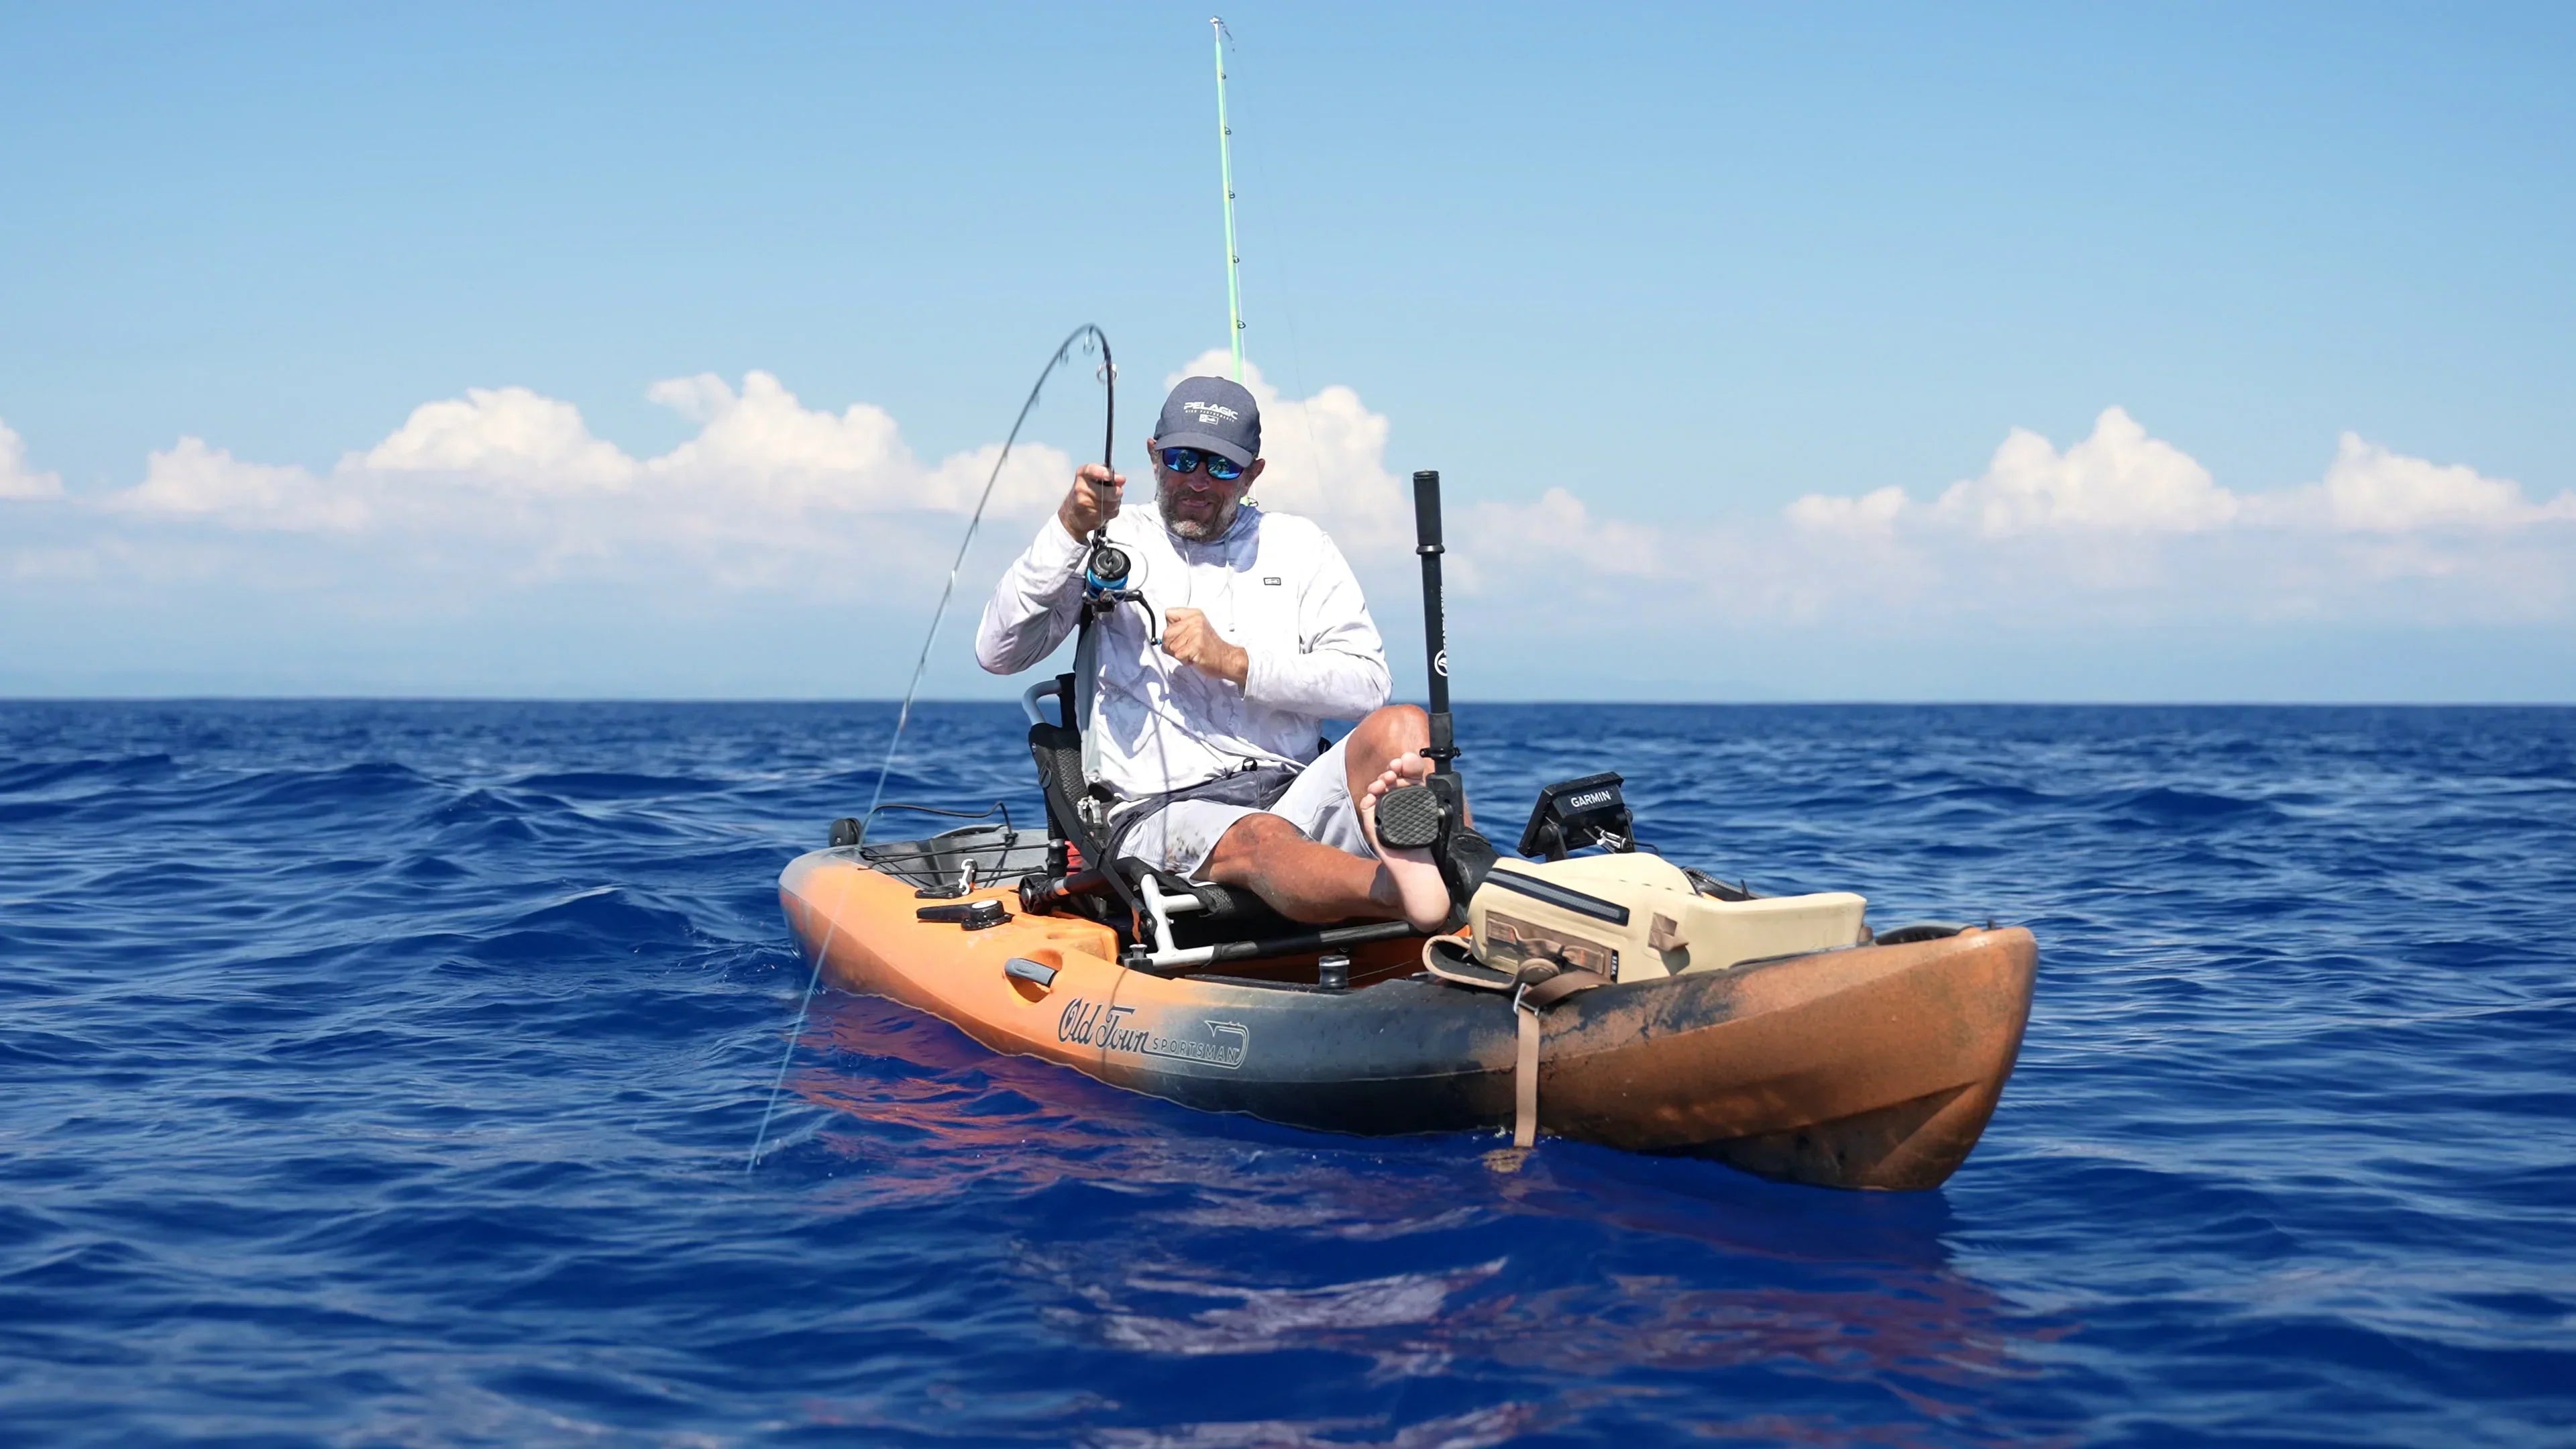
[1534, 987]
[1540, 987]
[1525, 1079]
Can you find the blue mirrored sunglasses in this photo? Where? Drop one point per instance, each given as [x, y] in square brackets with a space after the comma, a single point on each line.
[1187, 460]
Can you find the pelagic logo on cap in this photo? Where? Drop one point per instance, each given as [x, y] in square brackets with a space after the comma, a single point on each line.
[1206, 408]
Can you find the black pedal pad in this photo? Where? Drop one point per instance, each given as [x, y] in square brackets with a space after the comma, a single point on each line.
[1408, 817]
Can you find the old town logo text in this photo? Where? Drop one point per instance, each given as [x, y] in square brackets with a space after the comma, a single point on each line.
[1094, 1023]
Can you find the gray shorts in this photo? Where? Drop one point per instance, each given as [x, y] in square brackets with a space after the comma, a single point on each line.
[1318, 803]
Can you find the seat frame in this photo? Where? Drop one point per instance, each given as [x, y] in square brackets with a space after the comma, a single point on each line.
[1175, 926]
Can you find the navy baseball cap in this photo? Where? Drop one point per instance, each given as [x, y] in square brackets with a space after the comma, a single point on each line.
[1214, 414]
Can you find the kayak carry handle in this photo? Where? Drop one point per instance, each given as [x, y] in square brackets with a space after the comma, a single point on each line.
[1036, 973]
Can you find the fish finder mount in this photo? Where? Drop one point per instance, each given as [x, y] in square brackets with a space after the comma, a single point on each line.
[1573, 814]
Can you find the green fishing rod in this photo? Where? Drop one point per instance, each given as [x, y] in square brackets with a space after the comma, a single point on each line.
[1225, 175]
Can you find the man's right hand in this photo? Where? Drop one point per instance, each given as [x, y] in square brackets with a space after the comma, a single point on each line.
[1092, 501]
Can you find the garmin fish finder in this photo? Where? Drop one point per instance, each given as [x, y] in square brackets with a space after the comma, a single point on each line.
[1573, 814]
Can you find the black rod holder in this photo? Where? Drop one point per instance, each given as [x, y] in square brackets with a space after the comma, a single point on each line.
[1435, 627]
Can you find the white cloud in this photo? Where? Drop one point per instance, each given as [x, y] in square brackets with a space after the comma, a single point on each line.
[518, 478]
[761, 447]
[765, 447]
[1874, 512]
[2121, 482]
[505, 486]
[766, 485]
[17, 480]
[773, 494]
[2370, 489]
[195, 480]
[504, 437]
[2118, 480]
[1556, 536]
[2127, 528]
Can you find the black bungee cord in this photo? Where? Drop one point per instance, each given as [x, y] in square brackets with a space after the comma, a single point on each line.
[1089, 336]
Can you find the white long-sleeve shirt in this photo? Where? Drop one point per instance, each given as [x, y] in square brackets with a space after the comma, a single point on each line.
[1274, 584]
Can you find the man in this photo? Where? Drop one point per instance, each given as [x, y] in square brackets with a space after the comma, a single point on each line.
[1209, 737]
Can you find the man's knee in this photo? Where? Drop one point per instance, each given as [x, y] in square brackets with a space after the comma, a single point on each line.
[1241, 847]
[1403, 717]
[1397, 724]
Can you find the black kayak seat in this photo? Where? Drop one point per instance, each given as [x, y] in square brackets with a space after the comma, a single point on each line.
[1057, 752]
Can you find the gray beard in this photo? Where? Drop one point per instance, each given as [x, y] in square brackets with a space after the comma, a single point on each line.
[1191, 529]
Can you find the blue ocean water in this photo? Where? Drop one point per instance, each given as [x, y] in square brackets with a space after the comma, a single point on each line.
[385, 1074]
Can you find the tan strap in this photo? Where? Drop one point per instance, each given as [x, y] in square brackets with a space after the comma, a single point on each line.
[1536, 987]
[1525, 1081]
[1541, 987]
[1452, 960]
[1547, 993]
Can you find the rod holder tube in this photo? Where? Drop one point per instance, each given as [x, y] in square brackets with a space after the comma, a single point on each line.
[1435, 627]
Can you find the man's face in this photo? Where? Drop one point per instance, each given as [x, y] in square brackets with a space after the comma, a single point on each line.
[1196, 506]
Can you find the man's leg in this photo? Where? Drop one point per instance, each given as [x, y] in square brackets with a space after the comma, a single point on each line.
[1306, 880]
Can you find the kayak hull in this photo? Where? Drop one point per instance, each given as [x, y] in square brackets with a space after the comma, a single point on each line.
[1865, 1067]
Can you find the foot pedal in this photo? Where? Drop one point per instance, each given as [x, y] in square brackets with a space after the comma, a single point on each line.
[1408, 817]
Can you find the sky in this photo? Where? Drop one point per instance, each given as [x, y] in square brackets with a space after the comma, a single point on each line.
[1863, 352]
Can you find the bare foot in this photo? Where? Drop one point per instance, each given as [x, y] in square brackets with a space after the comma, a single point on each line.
[1419, 892]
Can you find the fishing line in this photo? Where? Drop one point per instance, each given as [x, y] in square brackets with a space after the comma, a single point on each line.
[1089, 335]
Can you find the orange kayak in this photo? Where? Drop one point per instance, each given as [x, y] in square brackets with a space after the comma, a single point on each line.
[1864, 1066]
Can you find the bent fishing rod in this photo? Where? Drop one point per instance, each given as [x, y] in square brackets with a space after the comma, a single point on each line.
[1088, 336]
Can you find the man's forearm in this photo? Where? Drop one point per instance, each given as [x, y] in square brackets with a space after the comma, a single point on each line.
[1229, 661]
[1032, 607]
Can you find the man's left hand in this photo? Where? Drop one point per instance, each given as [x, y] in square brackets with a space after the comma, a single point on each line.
[1191, 639]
